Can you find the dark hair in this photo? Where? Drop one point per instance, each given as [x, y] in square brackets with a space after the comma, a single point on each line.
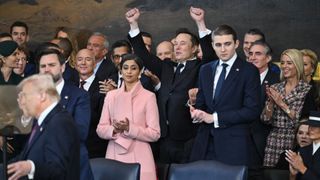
[194, 38]
[47, 51]
[225, 30]
[256, 31]
[134, 57]
[43, 46]
[5, 34]
[19, 24]
[266, 46]
[25, 50]
[146, 34]
[66, 46]
[121, 43]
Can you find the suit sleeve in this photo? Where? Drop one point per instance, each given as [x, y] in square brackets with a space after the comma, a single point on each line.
[251, 106]
[82, 115]
[150, 61]
[105, 128]
[207, 50]
[150, 132]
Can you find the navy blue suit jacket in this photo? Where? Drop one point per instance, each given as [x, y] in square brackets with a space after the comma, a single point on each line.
[312, 162]
[77, 102]
[237, 106]
[54, 149]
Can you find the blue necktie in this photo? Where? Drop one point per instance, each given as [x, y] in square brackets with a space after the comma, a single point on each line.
[220, 81]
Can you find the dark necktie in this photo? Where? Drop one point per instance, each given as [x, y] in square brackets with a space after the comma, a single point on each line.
[177, 73]
[220, 81]
[33, 132]
[82, 83]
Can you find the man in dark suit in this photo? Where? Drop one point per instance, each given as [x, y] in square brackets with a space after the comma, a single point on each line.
[260, 55]
[98, 44]
[76, 101]
[85, 64]
[227, 102]
[52, 151]
[305, 165]
[177, 130]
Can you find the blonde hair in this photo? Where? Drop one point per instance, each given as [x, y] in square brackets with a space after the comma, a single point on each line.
[313, 56]
[41, 83]
[296, 56]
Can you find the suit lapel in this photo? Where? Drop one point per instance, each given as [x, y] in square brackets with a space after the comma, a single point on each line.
[64, 98]
[40, 130]
[233, 74]
[190, 65]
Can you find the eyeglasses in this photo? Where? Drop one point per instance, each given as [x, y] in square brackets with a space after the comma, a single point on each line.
[117, 56]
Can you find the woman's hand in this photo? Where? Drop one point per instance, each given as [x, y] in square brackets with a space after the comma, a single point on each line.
[122, 125]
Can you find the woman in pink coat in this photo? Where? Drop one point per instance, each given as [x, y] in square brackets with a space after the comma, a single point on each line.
[130, 120]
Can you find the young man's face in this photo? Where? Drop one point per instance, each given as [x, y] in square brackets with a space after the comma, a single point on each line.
[19, 34]
[247, 42]
[224, 46]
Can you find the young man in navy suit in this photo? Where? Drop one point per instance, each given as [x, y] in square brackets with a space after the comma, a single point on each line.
[52, 151]
[227, 105]
[76, 101]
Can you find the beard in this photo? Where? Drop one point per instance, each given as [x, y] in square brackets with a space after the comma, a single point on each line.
[56, 77]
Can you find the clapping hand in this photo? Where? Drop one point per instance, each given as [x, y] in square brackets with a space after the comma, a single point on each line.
[121, 126]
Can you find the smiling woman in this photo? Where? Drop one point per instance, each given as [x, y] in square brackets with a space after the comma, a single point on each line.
[284, 105]
[8, 56]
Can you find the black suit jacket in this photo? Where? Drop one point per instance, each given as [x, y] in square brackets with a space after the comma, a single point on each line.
[106, 69]
[95, 145]
[259, 130]
[172, 97]
[312, 162]
[55, 148]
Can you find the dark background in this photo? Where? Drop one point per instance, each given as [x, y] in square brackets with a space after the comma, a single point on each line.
[286, 23]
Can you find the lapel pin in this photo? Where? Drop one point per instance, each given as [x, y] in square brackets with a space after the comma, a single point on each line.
[41, 129]
[266, 82]
[237, 70]
[66, 97]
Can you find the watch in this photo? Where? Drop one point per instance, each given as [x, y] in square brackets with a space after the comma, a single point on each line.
[287, 111]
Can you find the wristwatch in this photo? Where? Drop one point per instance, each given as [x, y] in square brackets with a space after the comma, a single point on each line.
[287, 111]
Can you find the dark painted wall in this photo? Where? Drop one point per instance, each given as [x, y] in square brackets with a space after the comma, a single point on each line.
[286, 23]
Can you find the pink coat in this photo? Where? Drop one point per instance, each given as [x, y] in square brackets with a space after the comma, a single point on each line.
[140, 107]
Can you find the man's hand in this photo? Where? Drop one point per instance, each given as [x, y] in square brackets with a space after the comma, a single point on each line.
[193, 95]
[197, 15]
[155, 80]
[18, 169]
[106, 86]
[199, 116]
[132, 17]
[295, 160]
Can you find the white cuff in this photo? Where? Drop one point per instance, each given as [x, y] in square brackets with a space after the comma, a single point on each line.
[215, 120]
[157, 87]
[32, 171]
[134, 32]
[204, 33]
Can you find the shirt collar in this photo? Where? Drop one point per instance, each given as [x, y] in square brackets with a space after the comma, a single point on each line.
[230, 61]
[263, 75]
[315, 147]
[44, 113]
[60, 86]
[89, 80]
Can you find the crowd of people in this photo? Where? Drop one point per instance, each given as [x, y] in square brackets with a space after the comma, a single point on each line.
[194, 99]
